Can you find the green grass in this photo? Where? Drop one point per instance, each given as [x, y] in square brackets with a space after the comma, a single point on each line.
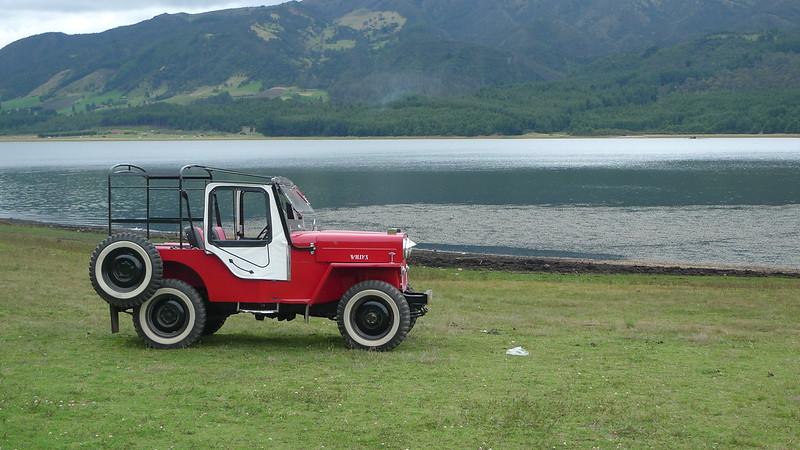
[198, 94]
[314, 94]
[245, 89]
[616, 361]
[19, 103]
[111, 99]
[242, 90]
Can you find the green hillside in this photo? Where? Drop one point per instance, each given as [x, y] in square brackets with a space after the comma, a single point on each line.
[358, 50]
[420, 67]
[721, 83]
[361, 54]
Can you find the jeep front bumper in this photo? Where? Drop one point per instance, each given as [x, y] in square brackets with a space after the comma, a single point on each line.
[418, 302]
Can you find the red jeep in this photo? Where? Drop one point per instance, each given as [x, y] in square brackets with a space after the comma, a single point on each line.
[250, 250]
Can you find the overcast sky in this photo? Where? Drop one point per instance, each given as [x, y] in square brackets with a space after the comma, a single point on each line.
[22, 18]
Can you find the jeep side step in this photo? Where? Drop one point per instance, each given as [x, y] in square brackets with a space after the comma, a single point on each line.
[259, 308]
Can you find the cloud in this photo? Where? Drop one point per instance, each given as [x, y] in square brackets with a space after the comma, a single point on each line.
[21, 19]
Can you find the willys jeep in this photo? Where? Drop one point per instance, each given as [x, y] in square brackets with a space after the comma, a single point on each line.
[249, 250]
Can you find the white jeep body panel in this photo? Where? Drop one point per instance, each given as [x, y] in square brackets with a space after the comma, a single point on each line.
[267, 262]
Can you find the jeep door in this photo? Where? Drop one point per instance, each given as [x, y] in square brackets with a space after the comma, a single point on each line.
[243, 229]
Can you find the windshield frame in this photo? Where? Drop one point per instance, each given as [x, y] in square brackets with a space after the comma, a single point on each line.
[290, 195]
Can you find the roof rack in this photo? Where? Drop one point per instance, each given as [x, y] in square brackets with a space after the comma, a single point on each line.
[211, 170]
[187, 173]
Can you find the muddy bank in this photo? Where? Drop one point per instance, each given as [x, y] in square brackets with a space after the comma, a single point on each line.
[441, 259]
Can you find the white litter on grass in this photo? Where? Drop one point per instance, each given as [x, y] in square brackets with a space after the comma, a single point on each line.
[517, 351]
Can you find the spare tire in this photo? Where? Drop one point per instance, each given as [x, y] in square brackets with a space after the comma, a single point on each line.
[125, 270]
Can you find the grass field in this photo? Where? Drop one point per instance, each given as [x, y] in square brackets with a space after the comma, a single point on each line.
[615, 361]
[108, 99]
[19, 103]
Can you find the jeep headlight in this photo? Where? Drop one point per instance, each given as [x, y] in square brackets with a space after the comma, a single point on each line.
[408, 244]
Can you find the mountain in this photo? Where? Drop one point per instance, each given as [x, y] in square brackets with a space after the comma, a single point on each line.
[720, 83]
[374, 51]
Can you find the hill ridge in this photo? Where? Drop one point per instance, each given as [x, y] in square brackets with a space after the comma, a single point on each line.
[422, 47]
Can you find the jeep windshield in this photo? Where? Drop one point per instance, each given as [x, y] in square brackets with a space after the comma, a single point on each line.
[296, 207]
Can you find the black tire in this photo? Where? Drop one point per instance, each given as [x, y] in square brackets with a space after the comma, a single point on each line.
[125, 270]
[213, 324]
[174, 317]
[373, 315]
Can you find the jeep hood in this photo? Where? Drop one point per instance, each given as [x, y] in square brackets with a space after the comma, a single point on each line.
[355, 246]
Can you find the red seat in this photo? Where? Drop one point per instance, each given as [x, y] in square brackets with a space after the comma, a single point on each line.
[218, 233]
[195, 237]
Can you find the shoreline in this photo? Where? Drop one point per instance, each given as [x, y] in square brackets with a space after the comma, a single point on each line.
[137, 135]
[509, 263]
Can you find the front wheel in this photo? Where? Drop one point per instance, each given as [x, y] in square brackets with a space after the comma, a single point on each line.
[373, 315]
[174, 317]
[213, 324]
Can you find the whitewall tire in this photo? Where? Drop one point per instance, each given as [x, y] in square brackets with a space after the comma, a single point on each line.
[373, 315]
[125, 270]
[174, 317]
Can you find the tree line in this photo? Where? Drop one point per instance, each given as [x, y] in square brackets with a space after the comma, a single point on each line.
[569, 110]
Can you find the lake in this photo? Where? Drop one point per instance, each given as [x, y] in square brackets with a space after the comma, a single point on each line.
[695, 201]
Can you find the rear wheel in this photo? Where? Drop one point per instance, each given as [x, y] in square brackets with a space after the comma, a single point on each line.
[174, 317]
[125, 270]
[373, 315]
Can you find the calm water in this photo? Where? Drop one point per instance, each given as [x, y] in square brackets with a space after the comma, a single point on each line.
[723, 201]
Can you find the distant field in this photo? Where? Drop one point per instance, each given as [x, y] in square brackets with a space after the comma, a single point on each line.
[80, 102]
[19, 103]
[316, 94]
[615, 361]
[112, 98]
[245, 89]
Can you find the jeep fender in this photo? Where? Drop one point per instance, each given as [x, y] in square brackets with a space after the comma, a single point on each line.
[339, 277]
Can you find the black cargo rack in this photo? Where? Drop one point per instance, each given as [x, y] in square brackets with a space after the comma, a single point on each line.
[189, 173]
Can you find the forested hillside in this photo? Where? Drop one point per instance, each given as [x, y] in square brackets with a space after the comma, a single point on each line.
[420, 67]
[724, 83]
